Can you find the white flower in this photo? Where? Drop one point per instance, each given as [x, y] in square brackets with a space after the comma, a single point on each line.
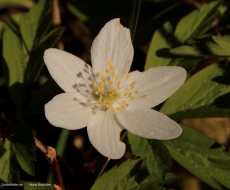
[106, 98]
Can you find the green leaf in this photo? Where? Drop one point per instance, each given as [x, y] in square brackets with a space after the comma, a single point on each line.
[199, 155]
[29, 22]
[9, 168]
[118, 177]
[196, 23]
[19, 151]
[133, 17]
[37, 186]
[41, 97]
[221, 48]
[14, 63]
[159, 45]
[36, 62]
[75, 11]
[206, 94]
[156, 154]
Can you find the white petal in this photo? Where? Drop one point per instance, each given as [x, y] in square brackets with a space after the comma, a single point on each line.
[68, 112]
[104, 134]
[149, 124]
[158, 83]
[67, 70]
[113, 43]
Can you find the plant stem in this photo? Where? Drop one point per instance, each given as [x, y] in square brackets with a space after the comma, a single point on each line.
[107, 161]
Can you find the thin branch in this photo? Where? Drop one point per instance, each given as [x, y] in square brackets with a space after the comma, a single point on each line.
[52, 160]
[107, 161]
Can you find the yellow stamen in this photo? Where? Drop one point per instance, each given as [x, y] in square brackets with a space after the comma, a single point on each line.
[117, 77]
[118, 84]
[127, 76]
[132, 86]
[96, 92]
[110, 63]
[98, 73]
[125, 94]
[111, 67]
[110, 82]
[127, 88]
[126, 105]
[136, 92]
[123, 102]
[132, 98]
[94, 83]
[107, 70]
[122, 72]
[106, 105]
[144, 96]
[103, 77]
[113, 74]
[101, 84]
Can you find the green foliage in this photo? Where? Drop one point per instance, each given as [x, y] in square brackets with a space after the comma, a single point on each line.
[221, 47]
[123, 178]
[199, 155]
[23, 48]
[19, 150]
[206, 94]
[36, 186]
[196, 23]
[155, 152]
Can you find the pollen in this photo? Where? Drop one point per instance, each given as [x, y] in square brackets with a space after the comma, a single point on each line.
[114, 97]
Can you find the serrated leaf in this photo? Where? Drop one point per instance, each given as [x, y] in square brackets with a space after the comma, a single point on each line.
[19, 151]
[41, 97]
[206, 94]
[159, 44]
[37, 186]
[221, 48]
[133, 17]
[118, 177]
[196, 23]
[156, 154]
[15, 64]
[29, 22]
[198, 155]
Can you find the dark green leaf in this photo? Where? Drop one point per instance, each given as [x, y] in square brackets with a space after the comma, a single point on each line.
[41, 97]
[221, 48]
[206, 94]
[133, 17]
[19, 150]
[156, 154]
[196, 23]
[199, 155]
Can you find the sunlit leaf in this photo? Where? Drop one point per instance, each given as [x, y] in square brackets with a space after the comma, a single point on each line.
[199, 155]
[206, 94]
[196, 23]
[15, 63]
[30, 21]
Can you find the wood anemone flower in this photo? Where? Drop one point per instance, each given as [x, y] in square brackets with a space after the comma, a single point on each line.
[106, 97]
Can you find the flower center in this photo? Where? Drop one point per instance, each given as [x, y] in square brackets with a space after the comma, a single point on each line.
[110, 92]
